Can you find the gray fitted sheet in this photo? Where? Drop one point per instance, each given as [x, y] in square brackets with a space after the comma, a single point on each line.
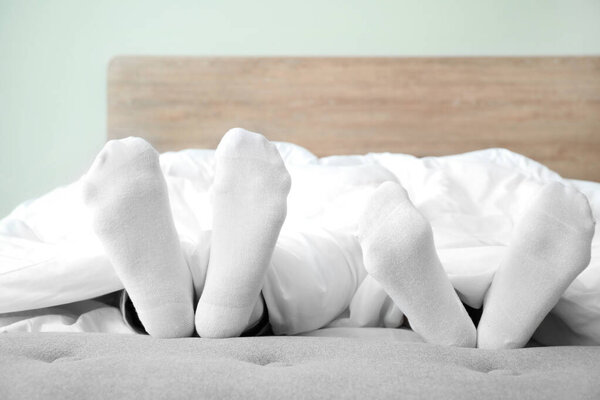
[84, 365]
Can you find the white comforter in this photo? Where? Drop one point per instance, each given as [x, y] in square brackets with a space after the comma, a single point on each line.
[50, 257]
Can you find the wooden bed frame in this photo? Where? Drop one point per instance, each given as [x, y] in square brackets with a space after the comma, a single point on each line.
[546, 108]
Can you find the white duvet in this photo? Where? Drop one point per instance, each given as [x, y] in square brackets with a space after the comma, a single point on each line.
[50, 257]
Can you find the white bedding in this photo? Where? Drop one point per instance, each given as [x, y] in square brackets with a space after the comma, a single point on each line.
[49, 256]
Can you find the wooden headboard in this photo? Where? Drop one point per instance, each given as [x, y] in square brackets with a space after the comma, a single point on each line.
[545, 108]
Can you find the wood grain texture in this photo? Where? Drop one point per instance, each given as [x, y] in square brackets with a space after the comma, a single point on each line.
[545, 108]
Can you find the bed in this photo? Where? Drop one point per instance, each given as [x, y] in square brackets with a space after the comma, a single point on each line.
[547, 109]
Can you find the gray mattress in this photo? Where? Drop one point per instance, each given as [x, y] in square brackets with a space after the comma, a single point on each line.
[83, 365]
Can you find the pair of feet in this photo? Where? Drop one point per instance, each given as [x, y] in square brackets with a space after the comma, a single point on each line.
[551, 245]
[127, 195]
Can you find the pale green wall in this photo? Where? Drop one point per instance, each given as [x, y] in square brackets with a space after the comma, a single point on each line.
[53, 55]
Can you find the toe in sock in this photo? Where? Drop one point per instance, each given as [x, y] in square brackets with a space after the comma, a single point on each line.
[399, 253]
[127, 196]
[249, 197]
[551, 245]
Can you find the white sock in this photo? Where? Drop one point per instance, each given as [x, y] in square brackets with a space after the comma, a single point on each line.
[399, 252]
[551, 245]
[249, 207]
[127, 196]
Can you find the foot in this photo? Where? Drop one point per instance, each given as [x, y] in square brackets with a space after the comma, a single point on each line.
[399, 253]
[551, 245]
[249, 207]
[127, 196]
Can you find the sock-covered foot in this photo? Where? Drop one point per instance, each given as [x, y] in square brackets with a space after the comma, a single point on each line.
[551, 245]
[399, 252]
[127, 196]
[249, 198]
